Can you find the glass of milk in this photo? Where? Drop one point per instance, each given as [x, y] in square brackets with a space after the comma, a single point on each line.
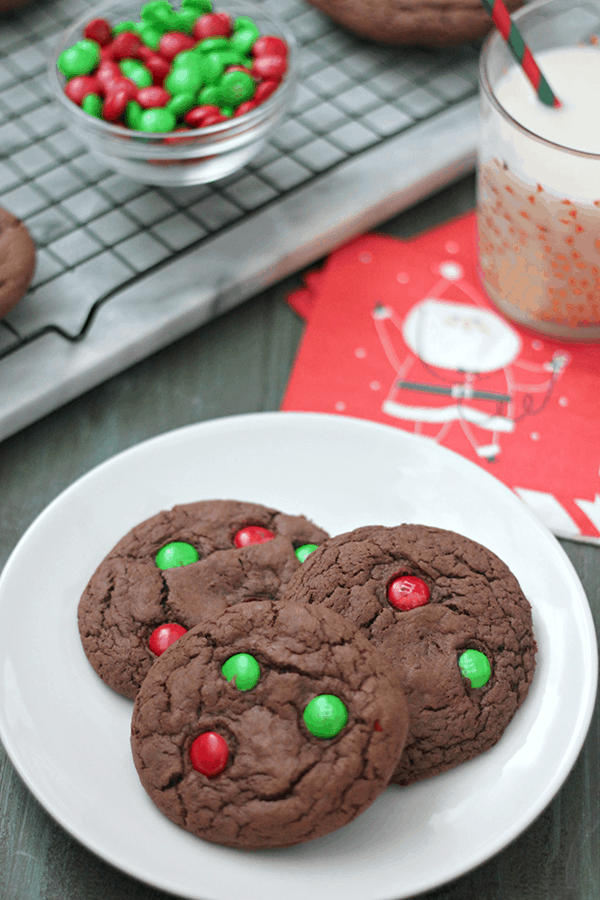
[538, 190]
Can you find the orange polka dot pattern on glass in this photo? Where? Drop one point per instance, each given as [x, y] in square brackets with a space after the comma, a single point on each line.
[539, 253]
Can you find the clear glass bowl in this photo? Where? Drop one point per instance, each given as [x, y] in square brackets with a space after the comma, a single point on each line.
[177, 158]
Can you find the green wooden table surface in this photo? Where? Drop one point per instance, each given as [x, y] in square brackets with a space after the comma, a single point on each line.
[238, 364]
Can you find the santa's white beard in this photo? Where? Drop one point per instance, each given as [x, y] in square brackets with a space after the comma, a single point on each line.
[460, 337]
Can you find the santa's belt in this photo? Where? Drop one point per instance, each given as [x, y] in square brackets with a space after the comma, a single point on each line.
[456, 390]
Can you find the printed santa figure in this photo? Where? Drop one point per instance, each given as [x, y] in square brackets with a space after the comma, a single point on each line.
[458, 366]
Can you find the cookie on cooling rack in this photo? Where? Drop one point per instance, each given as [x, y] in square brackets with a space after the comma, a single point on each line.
[17, 260]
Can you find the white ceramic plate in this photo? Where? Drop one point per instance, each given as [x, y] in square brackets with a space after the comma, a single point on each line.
[68, 735]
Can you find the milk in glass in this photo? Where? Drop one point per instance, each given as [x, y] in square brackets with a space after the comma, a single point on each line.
[539, 191]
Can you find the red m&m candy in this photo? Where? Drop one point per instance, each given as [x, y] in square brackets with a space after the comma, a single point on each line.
[214, 119]
[107, 71]
[252, 534]
[80, 86]
[265, 89]
[165, 635]
[98, 30]
[106, 52]
[196, 117]
[212, 25]
[158, 66]
[224, 67]
[117, 99]
[152, 96]
[209, 753]
[407, 592]
[271, 67]
[174, 42]
[126, 45]
[269, 45]
[243, 108]
[122, 84]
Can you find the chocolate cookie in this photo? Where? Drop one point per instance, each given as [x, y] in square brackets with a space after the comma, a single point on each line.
[450, 617]
[8, 5]
[428, 23]
[177, 569]
[274, 724]
[17, 260]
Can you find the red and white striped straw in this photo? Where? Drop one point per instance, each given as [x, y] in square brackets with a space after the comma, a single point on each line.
[511, 34]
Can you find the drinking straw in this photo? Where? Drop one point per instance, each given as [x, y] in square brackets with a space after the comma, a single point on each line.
[511, 34]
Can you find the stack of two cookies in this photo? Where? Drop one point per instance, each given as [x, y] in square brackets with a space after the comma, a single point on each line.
[308, 672]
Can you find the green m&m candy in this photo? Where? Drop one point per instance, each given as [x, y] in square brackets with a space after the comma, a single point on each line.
[136, 72]
[158, 119]
[186, 58]
[150, 35]
[213, 45]
[185, 78]
[160, 14]
[325, 716]
[209, 96]
[229, 58]
[235, 87]
[475, 666]
[242, 23]
[242, 670]
[133, 115]
[199, 7]
[185, 20]
[128, 25]
[213, 65]
[177, 553]
[244, 35]
[304, 551]
[92, 105]
[179, 104]
[80, 59]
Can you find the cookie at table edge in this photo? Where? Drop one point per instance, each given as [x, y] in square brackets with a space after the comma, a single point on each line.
[281, 784]
[474, 603]
[128, 596]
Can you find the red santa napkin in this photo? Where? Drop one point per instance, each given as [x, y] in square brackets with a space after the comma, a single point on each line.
[401, 332]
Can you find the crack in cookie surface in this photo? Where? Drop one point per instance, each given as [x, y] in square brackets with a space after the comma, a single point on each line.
[282, 784]
[474, 603]
[129, 596]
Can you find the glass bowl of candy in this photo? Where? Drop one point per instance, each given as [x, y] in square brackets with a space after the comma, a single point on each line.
[174, 94]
